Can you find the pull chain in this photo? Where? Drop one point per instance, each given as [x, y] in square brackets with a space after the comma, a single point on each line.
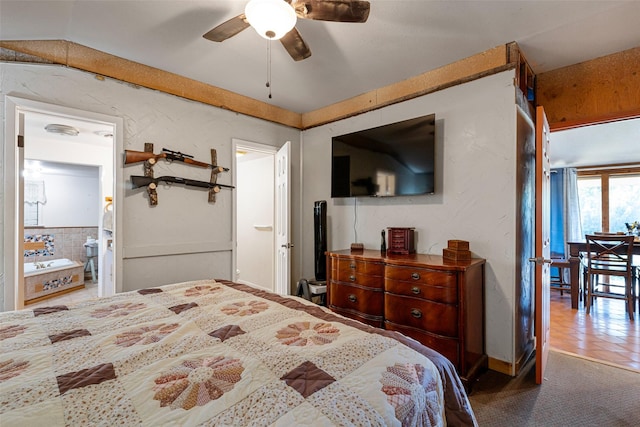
[269, 66]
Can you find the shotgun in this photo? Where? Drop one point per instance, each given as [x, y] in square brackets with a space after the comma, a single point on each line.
[144, 181]
[131, 156]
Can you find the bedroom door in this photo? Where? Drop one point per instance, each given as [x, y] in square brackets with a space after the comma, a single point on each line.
[543, 248]
[283, 221]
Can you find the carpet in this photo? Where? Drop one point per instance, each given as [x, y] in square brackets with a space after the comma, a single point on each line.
[575, 392]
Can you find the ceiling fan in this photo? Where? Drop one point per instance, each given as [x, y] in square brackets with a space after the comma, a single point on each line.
[276, 20]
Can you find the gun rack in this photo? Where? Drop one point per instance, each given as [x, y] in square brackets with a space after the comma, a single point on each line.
[214, 176]
[150, 162]
[148, 172]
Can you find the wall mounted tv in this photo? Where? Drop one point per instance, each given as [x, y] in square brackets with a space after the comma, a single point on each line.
[391, 160]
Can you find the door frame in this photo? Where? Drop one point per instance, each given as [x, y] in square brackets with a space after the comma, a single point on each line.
[13, 228]
[282, 216]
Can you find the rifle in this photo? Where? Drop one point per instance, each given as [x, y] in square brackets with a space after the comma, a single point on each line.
[131, 156]
[144, 181]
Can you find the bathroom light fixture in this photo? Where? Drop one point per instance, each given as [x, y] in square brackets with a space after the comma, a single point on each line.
[62, 129]
[104, 133]
[272, 19]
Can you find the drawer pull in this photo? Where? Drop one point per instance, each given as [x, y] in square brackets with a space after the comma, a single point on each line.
[352, 266]
[352, 298]
[416, 313]
[352, 278]
[415, 290]
[415, 276]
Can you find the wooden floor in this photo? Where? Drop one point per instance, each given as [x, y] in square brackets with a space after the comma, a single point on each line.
[606, 334]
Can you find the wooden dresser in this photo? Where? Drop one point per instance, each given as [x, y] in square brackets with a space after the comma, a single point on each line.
[437, 302]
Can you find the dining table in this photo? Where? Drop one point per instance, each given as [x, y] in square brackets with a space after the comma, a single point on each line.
[575, 249]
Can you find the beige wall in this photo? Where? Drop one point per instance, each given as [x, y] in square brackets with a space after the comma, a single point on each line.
[475, 196]
[184, 237]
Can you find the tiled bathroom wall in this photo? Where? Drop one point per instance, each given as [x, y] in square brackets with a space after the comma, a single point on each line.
[64, 242]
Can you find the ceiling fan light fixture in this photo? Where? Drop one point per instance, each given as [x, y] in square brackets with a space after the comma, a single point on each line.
[272, 19]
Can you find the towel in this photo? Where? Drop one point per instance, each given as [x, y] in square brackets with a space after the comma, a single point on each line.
[34, 192]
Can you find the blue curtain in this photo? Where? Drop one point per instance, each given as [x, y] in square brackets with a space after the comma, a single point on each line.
[557, 219]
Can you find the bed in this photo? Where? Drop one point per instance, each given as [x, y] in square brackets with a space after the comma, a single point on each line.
[217, 353]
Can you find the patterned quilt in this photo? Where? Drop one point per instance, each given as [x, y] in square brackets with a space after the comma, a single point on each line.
[216, 353]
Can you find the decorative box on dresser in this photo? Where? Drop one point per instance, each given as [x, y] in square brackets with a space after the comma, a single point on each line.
[438, 302]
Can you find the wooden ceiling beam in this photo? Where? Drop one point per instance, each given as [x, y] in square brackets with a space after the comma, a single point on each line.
[474, 67]
[102, 64]
[597, 91]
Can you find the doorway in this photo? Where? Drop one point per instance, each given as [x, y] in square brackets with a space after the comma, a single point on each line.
[255, 214]
[606, 335]
[79, 140]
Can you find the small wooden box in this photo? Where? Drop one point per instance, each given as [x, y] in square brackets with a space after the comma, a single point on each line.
[453, 255]
[401, 241]
[458, 245]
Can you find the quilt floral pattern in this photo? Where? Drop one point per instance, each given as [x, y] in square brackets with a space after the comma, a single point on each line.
[208, 353]
[197, 382]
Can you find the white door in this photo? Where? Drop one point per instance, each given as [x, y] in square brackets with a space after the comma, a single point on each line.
[283, 220]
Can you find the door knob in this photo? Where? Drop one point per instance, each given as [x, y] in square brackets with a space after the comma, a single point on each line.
[540, 260]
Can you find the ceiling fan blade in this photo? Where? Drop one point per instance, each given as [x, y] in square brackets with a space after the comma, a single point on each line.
[297, 48]
[227, 29]
[332, 10]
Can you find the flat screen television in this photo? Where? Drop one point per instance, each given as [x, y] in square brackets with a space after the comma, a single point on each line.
[397, 159]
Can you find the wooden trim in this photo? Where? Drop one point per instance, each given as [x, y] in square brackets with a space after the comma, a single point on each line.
[474, 67]
[500, 366]
[84, 58]
[73, 55]
[600, 90]
[55, 294]
[597, 171]
[33, 246]
[596, 120]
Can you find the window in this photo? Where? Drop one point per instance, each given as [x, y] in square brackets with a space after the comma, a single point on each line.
[609, 198]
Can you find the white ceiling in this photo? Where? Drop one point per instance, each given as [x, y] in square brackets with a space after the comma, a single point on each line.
[401, 39]
[90, 132]
[603, 144]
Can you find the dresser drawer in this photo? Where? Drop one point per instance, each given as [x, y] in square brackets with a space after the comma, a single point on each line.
[355, 298]
[360, 267]
[448, 347]
[375, 321]
[374, 282]
[421, 275]
[444, 294]
[438, 318]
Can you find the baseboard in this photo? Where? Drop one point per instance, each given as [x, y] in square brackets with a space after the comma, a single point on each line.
[500, 366]
[511, 369]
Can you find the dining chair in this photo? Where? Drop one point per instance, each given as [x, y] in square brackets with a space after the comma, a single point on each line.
[557, 276]
[610, 256]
